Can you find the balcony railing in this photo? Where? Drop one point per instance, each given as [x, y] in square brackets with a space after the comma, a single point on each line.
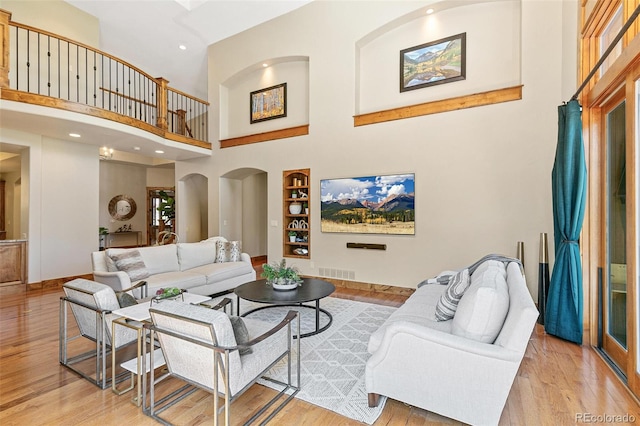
[42, 68]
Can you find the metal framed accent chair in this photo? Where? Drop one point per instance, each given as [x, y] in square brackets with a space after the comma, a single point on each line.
[203, 348]
[91, 304]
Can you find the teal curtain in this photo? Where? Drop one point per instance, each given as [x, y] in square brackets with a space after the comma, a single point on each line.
[563, 316]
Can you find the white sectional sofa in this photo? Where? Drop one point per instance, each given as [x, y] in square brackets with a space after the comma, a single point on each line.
[462, 368]
[191, 266]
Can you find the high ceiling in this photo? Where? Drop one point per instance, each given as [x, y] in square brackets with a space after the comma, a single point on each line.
[148, 33]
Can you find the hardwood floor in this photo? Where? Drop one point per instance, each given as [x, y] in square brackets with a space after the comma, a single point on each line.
[557, 382]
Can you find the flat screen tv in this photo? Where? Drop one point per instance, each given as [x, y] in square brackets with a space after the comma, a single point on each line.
[368, 205]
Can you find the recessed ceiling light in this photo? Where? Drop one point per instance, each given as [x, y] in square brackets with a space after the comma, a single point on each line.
[159, 151]
[74, 135]
[136, 148]
[429, 11]
[265, 65]
[182, 47]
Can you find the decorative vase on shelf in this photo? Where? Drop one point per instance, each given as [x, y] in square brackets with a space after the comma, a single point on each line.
[295, 208]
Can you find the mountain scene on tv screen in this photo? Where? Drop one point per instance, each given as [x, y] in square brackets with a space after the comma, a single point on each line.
[373, 204]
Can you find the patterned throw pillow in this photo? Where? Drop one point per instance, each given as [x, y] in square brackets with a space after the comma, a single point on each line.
[233, 251]
[221, 252]
[228, 251]
[130, 262]
[448, 303]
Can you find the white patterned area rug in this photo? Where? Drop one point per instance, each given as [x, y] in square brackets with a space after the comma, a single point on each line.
[332, 362]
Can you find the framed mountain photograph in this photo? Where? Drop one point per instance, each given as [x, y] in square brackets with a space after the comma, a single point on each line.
[368, 205]
[437, 62]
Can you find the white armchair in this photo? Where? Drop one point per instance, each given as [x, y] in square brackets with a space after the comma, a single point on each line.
[199, 347]
[91, 304]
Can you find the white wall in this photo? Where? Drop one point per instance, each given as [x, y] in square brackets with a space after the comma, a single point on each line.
[123, 179]
[482, 174]
[254, 214]
[231, 210]
[56, 16]
[69, 207]
[59, 181]
[234, 116]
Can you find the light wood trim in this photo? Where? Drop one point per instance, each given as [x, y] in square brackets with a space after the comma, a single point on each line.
[130, 98]
[616, 74]
[633, 215]
[602, 89]
[627, 10]
[185, 139]
[34, 99]
[610, 345]
[288, 187]
[444, 105]
[5, 18]
[266, 136]
[600, 16]
[56, 282]
[161, 99]
[170, 89]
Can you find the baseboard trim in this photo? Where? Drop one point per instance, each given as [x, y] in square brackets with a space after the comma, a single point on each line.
[56, 283]
[376, 288]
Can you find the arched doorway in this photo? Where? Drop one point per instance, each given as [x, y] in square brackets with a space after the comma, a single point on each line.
[243, 209]
[193, 208]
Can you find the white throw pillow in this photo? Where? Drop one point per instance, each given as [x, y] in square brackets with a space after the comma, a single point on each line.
[483, 308]
[160, 259]
[192, 255]
[130, 261]
[448, 302]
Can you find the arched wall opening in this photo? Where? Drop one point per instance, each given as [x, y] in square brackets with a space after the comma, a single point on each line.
[243, 209]
[193, 208]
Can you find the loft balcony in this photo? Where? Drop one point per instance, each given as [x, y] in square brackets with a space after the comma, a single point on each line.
[54, 84]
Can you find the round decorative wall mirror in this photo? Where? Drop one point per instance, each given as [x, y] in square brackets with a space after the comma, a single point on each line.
[122, 207]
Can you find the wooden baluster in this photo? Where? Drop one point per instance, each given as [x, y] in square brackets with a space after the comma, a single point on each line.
[182, 122]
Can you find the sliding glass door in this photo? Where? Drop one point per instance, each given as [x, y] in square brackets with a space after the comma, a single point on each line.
[613, 293]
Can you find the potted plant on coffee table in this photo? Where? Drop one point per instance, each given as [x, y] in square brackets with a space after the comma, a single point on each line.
[280, 276]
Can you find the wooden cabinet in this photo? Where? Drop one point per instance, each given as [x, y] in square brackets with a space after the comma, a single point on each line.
[13, 262]
[296, 200]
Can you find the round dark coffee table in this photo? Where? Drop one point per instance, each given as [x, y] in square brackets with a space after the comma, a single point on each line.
[312, 290]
